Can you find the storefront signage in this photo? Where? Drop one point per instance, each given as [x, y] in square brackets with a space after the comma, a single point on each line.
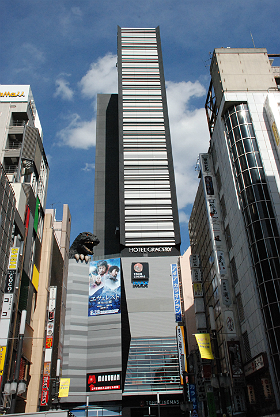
[204, 345]
[205, 165]
[182, 352]
[234, 353]
[226, 296]
[10, 281]
[196, 275]
[176, 293]
[10, 93]
[139, 272]
[221, 263]
[104, 381]
[255, 365]
[48, 346]
[13, 259]
[194, 261]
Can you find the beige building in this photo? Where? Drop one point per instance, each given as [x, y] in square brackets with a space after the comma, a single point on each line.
[53, 273]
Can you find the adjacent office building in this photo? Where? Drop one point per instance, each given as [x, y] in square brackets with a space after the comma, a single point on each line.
[234, 229]
[30, 261]
[121, 349]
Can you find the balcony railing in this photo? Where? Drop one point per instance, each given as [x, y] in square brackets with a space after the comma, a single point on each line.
[10, 169]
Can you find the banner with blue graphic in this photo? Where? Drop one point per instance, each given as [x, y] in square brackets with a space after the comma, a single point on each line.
[176, 293]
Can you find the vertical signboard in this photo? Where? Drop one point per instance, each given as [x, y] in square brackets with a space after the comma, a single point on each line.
[176, 293]
[104, 287]
[7, 305]
[181, 352]
[48, 347]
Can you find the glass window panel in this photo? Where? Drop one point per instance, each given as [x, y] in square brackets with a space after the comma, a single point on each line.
[259, 195]
[266, 192]
[253, 212]
[243, 163]
[241, 117]
[247, 179]
[275, 268]
[254, 144]
[271, 248]
[250, 194]
[272, 341]
[237, 133]
[262, 250]
[267, 317]
[262, 175]
[245, 132]
[240, 181]
[237, 167]
[270, 209]
[258, 159]
[247, 215]
[263, 213]
[259, 273]
[266, 270]
[266, 227]
[251, 160]
[251, 236]
[244, 198]
[247, 145]
[270, 290]
[275, 313]
[255, 253]
[255, 175]
[239, 146]
[234, 152]
[234, 120]
[239, 107]
[277, 288]
[257, 230]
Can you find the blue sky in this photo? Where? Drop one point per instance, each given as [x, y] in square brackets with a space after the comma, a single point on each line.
[66, 51]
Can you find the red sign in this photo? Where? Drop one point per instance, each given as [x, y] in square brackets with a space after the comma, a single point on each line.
[103, 381]
[49, 342]
[45, 390]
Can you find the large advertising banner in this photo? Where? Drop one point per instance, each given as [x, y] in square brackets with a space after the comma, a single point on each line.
[104, 287]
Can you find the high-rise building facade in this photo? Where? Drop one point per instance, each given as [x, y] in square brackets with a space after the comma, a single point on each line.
[136, 221]
[234, 226]
[32, 260]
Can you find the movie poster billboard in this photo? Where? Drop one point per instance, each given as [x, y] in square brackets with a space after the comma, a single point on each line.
[104, 287]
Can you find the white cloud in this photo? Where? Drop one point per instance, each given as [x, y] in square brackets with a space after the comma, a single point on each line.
[101, 78]
[189, 136]
[184, 218]
[63, 90]
[78, 134]
[88, 167]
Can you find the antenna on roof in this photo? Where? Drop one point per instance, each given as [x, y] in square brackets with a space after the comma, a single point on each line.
[252, 39]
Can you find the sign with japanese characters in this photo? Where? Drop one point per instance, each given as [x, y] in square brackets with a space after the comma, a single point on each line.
[226, 296]
[104, 381]
[204, 345]
[104, 287]
[140, 274]
[182, 352]
[176, 293]
[64, 386]
[234, 353]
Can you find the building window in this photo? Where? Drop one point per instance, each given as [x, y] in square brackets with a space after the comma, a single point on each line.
[223, 207]
[228, 237]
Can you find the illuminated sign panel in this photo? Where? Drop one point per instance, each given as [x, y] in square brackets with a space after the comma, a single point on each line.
[103, 381]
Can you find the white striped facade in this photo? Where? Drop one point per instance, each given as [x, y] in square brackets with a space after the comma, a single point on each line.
[148, 218]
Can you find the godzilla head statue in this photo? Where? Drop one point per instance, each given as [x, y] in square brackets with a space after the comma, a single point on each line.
[83, 246]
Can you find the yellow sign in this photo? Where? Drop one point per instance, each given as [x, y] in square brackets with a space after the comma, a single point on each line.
[13, 258]
[64, 387]
[2, 358]
[203, 341]
[13, 94]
